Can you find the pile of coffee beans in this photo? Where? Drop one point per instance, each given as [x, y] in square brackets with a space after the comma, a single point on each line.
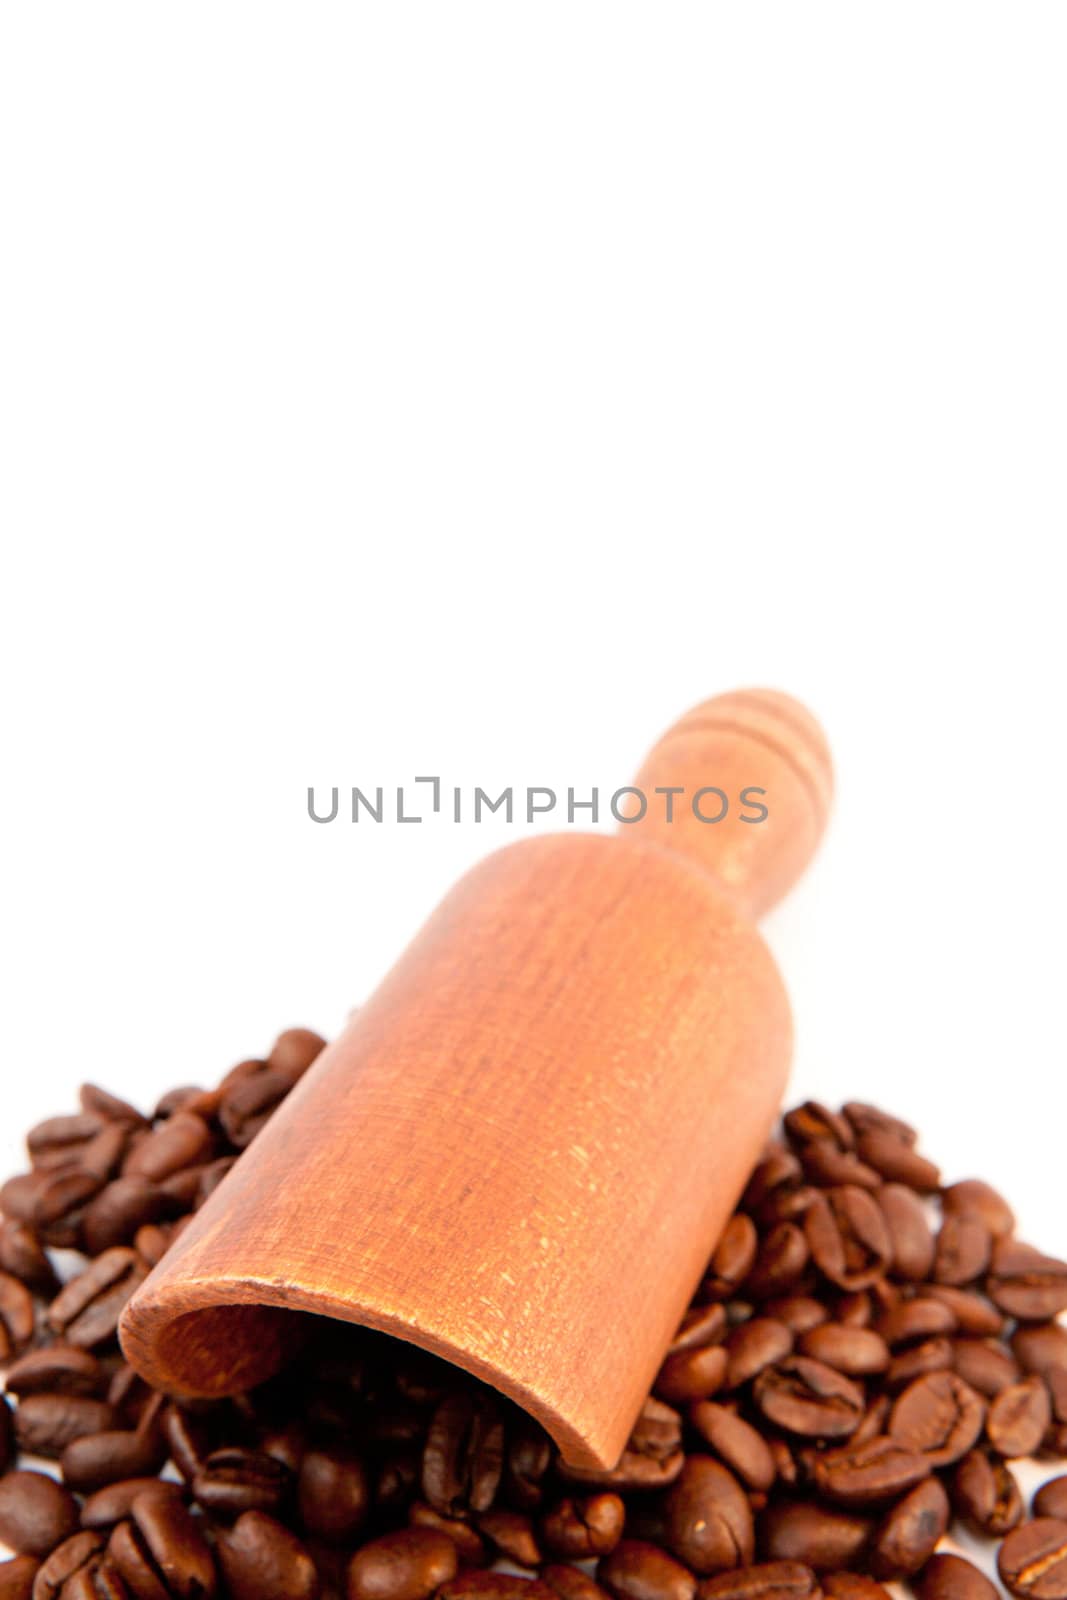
[868, 1353]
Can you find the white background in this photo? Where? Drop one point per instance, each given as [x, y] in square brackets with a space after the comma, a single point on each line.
[470, 389]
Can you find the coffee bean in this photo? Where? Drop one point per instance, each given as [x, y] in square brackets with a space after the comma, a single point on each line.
[581, 1529]
[986, 1496]
[987, 1367]
[56, 1369]
[16, 1578]
[916, 1360]
[809, 1398]
[86, 1312]
[815, 1121]
[868, 1474]
[741, 1446]
[1025, 1283]
[911, 1239]
[780, 1262]
[1041, 1347]
[571, 1583]
[908, 1536]
[333, 1492]
[818, 1536]
[64, 1563]
[114, 1215]
[973, 1198]
[101, 1103]
[22, 1256]
[1051, 1499]
[1019, 1417]
[754, 1346]
[865, 1118]
[769, 1580]
[183, 1140]
[16, 1315]
[691, 1374]
[512, 1533]
[260, 1556]
[701, 1325]
[36, 1513]
[96, 1459]
[1032, 1561]
[160, 1551]
[950, 1577]
[826, 1165]
[733, 1257]
[848, 1237]
[920, 1318]
[799, 1312]
[939, 1415]
[852, 1586]
[975, 1317]
[409, 1565]
[46, 1423]
[964, 1251]
[114, 1503]
[896, 1160]
[637, 1570]
[493, 1586]
[857, 1352]
[464, 1455]
[232, 1481]
[708, 1520]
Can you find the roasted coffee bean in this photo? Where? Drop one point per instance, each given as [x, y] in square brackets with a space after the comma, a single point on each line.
[976, 1317]
[848, 1237]
[815, 1121]
[493, 1586]
[581, 1529]
[964, 1250]
[799, 1312]
[1025, 1283]
[512, 1533]
[96, 1459]
[908, 1536]
[769, 1580]
[1041, 1347]
[973, 1198]
[852, 1586]
[1019, 1417]
[86, 1312]
[333, 1493]
[809, 1398]
[754, 1346]
[939, 1415]
[911, 1320]
[779, 1168]
[527, 1458]
[780, 1262]
[857, 1352]
[1032, 1561]
[56, 1369]
[36, 1513]
[637, 1570]
[22, 1255]
[294, 1050]
[58, 1141]
[692, 1374]
[470, 1546]
[46, 1423]
[733, 1258]
[108, 1107]
[826, 1165]
[114, 1215]
[183, 1140]
[16, 1315]
[260, 1556]
[911, 1238]
[409, 1565]
[8, 1449]
[864, 1118]
[708, 1520]
[160, 1552]
[189, 1439]
[114, 1503]
[1051, 1499]
[950, 1577]
[464, 1455]
[571, 1583]
[986, 1496]
[64, 1563]
[870, 1473]
[701, 1325]
[986, 1366]
[16, 1578]
[741, 1446]
[896, 1160]
[232, 1481]
[819, 1536]
[916, 1360]
[248, 1104]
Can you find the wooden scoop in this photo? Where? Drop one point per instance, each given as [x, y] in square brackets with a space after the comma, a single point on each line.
[520, 1152]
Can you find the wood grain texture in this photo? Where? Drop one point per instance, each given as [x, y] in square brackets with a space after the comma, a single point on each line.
[520, 1152]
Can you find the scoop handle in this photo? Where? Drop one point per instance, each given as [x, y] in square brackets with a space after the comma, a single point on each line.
[742, 785]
